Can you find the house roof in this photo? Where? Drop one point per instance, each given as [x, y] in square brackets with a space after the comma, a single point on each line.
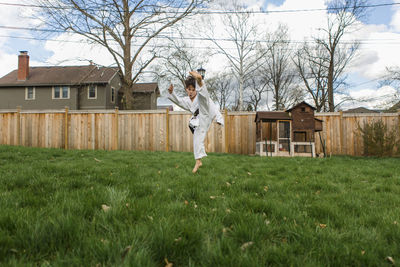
[301, 103]
[395, 107]
[67, 75]
[360, 110]
[145, 88]
[272, 115]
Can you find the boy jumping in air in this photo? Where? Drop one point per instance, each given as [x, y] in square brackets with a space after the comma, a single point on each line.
[204, 111]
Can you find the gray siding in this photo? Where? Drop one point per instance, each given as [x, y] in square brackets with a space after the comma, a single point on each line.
[98, 103]
[12, 97]
[115, 83]
[141, 101]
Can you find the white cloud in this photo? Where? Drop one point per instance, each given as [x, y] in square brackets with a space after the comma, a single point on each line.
[371, 98]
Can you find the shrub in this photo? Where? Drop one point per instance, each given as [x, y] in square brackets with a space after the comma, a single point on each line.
[379, 139]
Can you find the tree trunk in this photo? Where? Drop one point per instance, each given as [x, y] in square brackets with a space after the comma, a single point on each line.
[330, 85]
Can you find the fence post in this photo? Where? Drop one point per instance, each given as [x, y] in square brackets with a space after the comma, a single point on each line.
[19, 125]
[116, 141]
[167, 131]
[341, 132]
[226, 131]
[398, 119]
[66, 128]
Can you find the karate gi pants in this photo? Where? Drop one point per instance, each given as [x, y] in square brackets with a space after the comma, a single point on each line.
[206, 116]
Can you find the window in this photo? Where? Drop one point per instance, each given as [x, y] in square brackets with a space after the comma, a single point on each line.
[303, 109]
[30, 93]
[112, 94]
[92, 91]
[60, 92]
[300, 136]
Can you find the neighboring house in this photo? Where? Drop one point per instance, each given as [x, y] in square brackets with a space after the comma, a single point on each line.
[78, 87]
[395, 108]
[145, 95]
[75, 87]
[360, 110]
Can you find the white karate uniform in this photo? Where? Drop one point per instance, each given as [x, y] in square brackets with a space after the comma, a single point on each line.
[207, 112]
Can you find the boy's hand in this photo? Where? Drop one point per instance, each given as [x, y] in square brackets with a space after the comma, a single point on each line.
[197, 76]
[171, 88]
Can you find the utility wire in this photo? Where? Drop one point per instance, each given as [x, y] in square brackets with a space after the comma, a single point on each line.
[206, 12]
[362, 41]
[156, 45]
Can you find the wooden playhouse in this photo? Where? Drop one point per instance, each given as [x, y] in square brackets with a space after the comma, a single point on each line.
[287, 133]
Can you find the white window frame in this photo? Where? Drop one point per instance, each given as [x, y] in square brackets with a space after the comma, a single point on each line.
[95, 91]
[61, 91]
[112, 90]
[26, 93]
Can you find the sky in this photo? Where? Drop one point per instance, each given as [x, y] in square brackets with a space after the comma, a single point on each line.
[379, 32]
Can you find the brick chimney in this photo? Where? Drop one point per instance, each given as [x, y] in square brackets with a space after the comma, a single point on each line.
[23, 66]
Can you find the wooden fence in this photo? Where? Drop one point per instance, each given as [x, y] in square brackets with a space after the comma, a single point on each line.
[162, 130]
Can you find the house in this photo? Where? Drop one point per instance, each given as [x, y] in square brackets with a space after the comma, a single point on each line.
[360, 110]
[77, 87]
[395, 107]
[287, 133]
[145, 95]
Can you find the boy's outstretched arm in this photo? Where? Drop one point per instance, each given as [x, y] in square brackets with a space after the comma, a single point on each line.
[198, 77]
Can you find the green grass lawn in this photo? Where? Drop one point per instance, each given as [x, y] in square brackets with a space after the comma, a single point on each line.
[236, 211]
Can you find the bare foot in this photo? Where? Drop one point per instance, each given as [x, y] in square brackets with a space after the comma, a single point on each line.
[197, 166]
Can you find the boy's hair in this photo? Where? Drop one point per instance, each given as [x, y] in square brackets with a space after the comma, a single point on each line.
[190, 81]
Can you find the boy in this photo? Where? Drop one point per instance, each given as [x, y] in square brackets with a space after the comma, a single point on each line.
[198, 102]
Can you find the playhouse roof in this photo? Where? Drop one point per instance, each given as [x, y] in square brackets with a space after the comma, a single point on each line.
[272, 115]
[301, 103]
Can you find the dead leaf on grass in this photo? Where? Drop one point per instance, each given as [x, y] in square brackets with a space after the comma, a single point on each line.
[362, 252]
[168, 264]
[321, 225]
[225, 230]
[228, 184]
[178, 239]
[125, 252]
[150, 217]
[186, 202]
[266, 188]
[246, 245]
[249, 173]
[105, 207]
[390, 259]
[97, 160]
[212, 197]
[127, 205]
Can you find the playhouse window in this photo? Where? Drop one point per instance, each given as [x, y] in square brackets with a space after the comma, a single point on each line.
[300, 136]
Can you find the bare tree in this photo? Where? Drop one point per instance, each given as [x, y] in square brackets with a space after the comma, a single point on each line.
[221, 88]
[392, 78]
[278, 72]
[243, 32]
[342, 16]
[311, 65]
[175, 62]
[125, 28]
[256, 90]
